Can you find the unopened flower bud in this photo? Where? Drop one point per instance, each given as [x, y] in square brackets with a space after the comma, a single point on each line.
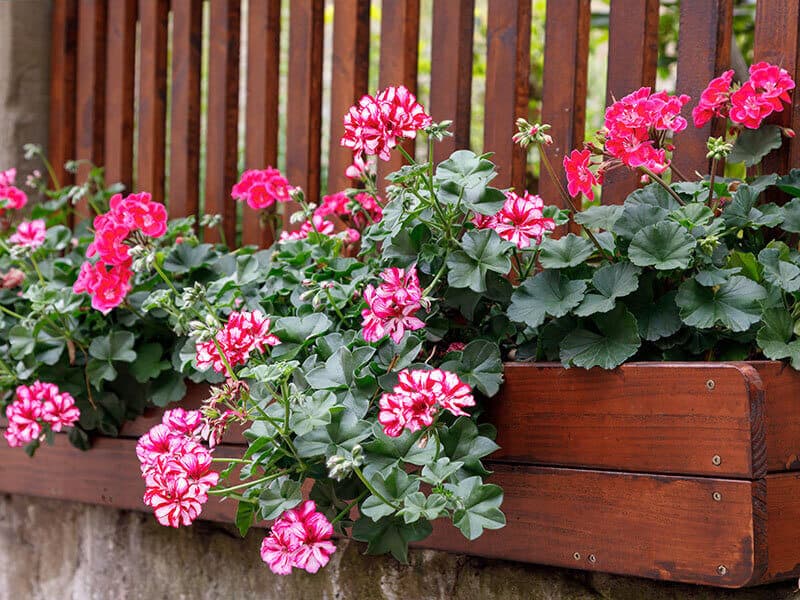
[718, 148]
[787, 132]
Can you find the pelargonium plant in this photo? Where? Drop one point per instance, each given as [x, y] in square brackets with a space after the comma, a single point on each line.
[358, 351]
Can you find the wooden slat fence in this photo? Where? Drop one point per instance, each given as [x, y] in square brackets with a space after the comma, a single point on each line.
[128, 88]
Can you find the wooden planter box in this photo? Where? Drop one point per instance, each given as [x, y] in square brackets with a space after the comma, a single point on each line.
[675, 471]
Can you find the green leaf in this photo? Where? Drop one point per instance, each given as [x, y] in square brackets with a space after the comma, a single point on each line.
[99, 371]
[185, 257]
[779, 272]
[462, 442]
[22, 341]
[655, 319]
[791, 215]
[483, 251]
[481, 507]
[611, 282]
[148, 364]
[440, 470]
[653, 195]
[465, 176]
[742, 211]
[390, 535]
[790, 183]
[385, 452]
[393, 488]
[774, 336]
[734, 304]
[568, 251]
[299, 330]
[754, 144]
[714, 276]
[546, 293]
[635, 217]
[340, 368]
[664, 246]
[747, 264]
[167, 387]
[615, 340]
[479, 365]
[344, 431]
[117, 345]
[416, 506]
[312, 412]
[245, 514]
[278, 496]
[599, 217]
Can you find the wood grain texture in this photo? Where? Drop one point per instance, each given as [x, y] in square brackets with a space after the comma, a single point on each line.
[184, 159]
[781, 386]
[120, 72]
[398, 63]
[304, 112]
[451, 72]
[61, 132]
[650, 417]
[566, 54]
[223, 116]
[507, 70]
[705, 31]
[261, 108]
[632, 58]
[783, 526]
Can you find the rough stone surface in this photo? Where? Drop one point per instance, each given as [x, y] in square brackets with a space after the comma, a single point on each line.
[51, 549]
[24, 78]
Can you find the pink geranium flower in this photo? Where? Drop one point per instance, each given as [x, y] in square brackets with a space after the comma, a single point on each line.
[107, 287]
[10, 196]
[36, 406]
[262, 189]
[58, 408]
[300, 538]
[243, 333]
[748, 107]
[580, 178]
[773, 84]
[391, 307]
[30, 234]
[521, 220]
[714, 100]
[320, 225]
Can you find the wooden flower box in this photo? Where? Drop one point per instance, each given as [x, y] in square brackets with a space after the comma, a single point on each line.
[675, 471]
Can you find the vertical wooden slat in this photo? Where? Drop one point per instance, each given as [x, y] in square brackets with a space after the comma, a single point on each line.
[398, 64]
[704, 51]
[776, 41]
[61, 137]
[120, 71]
[223, 115]
[566, 53]
[184, 161]
[90, 89]
[632, 60]
[304, 115]
[451, 71]
[507, 68]
[349, 79]
[261, 143]
[154, 21]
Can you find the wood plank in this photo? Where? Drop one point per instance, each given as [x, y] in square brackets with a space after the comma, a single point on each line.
[777, 41]
[90, 89]
[61, 136]
[781, 386]
[120, 74]
[184, 161]
[151, 151]
[350, 66]
[398, 63]
[632, 58]
[451, 72]
[566, 54]
[304, 113]
[507, 70]
[783, 526]
[704, 33]
[651, 417]
[261, 130]
[222, 117]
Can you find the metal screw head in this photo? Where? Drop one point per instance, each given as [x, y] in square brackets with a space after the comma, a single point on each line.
[710, 384]
[577, 556]
[716, 460]
[722, 569]
[716, 496]
[592, 558]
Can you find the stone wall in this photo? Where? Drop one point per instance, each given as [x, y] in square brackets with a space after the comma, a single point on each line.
[58, 550]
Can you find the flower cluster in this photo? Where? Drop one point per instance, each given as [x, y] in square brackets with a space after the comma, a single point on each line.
[359, 211]
[301, 539]
[580, 178]
[636, 127]
[519, 221]
[392, 305]
[374, 125]
[764, 93]
[316, 223]
[261, 189]
[29, 234]
[107, 281]
[36, 407]
[242, 333]
[10, 195]
[176, 468]
[418, 396]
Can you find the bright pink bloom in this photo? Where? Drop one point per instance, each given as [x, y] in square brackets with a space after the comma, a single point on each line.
[321, 226]
[455, 347]
[24, 418]
[138, 211]
[451, 393]
[361, 210]
[174, 500]
[392, 306]
[484, 221]
[10, 196]
[714, 100]
[187, 422]
[772, 83]
[107, 288]
[153, 444]
[300, 538]
[261, 189]
[359, 167]
[521, 220]
[243, 333]
[580, 178]
[30, 234]
[748, 107]
[8, 177]
[58, 408]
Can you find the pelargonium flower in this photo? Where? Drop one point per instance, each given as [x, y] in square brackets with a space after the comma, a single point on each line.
[319, 224]
[30, 234]
[300, 538]
[36, 406]
[244, 332]
[580, 178]
[391, 307]
[714, 100]
[418, 396]
[773, 84]
[24, 419]
[107, 287]
[174, 500]
[748, 107]
[262, 188]
[521, 220]
[58, 408]
[361, 210]
[10, 195]
[138, 211]
[187, 422]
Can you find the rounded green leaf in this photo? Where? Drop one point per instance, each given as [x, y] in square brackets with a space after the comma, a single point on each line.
[664, 246]
[615, 340]
[734, 304]
[547, 293]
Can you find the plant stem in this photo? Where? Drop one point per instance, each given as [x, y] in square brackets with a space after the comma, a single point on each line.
[36, 268]
[333, 304]
[372, 490]
[438, 275]
[712, 202]
[663, 184]
[346, 510]
[10, 312]
[247, 484]
[164, 276]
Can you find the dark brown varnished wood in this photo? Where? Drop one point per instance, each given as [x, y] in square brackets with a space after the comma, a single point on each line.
[61, 130]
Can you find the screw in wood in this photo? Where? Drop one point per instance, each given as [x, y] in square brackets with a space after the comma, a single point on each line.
[577, 556]
[710, 384]
[592, 558]
[722, 569]
[716, 496]
[716, 460]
